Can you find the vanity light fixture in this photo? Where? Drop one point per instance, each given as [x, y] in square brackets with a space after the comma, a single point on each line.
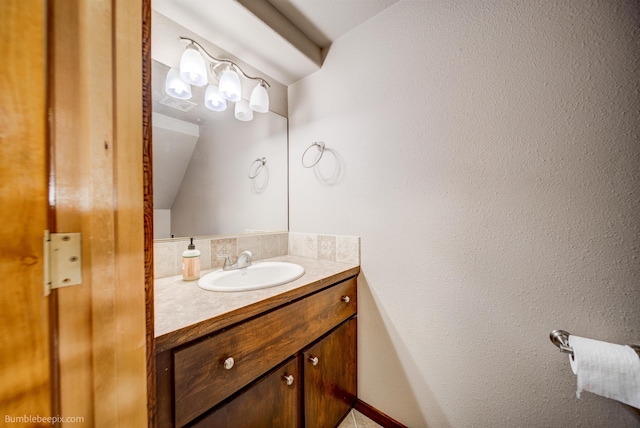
[193, 71]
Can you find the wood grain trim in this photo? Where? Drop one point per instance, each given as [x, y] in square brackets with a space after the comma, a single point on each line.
[200, 379]
[147, 183]
[129, 291]
[187, 334]
[376, 415]
[72, 169]
[98, 164]
[54, 340]
[24, 333]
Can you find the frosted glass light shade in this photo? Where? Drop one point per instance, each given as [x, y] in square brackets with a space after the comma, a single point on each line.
[243, 112]
[213, 100]
[192, 67]
[230, 85]
[259, 100]
[175, 86]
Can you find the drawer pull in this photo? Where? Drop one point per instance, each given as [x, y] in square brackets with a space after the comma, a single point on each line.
[314, 361]
[288, 379]
[228, 363]
[345, 299]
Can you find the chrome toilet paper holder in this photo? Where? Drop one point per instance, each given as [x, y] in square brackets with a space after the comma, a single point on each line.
[560, 338]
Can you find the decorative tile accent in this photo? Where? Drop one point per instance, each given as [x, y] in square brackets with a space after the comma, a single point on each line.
[227, 246]
[309, 246]
[348, 249]
[344, 249]
[326, 247]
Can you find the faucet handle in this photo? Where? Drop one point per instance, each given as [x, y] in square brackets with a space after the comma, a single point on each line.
[227, 260]
[244, 259]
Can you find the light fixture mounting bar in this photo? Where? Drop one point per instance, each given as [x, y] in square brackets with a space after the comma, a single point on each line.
[225, 61]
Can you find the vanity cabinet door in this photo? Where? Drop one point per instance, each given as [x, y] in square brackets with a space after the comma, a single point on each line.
[330, 387]
[270, 402]
[202, 377]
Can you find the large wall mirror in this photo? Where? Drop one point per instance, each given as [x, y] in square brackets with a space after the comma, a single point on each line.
[203, 160]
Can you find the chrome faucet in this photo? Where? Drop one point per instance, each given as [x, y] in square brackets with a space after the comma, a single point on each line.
[243, 261]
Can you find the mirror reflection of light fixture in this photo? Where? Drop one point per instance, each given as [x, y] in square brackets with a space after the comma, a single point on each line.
[243, 112]
[175, 86]
[230, 87]
[192, 68]
[213, 100]
[193, 71]
[259, 100]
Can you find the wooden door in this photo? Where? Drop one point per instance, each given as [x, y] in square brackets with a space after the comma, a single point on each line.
[78, 64]
[330, 377]
[25, 382]
[269, 403]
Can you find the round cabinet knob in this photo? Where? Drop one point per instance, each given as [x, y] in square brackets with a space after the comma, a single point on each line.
[288, 379]
[314, 361]
[228, 363]
[345, 299]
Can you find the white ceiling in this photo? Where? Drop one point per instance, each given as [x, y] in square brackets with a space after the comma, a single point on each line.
[282, 38]
[323, 21]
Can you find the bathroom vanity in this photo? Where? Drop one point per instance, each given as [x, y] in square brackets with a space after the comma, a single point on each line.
[283, 356]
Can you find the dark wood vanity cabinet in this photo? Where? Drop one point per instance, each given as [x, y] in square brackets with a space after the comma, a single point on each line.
[292, 366]
[329, 380]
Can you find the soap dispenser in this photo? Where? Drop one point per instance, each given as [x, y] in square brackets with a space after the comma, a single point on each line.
[191, 263]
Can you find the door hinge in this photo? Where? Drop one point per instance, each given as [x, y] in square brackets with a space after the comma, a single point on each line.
[62, 260]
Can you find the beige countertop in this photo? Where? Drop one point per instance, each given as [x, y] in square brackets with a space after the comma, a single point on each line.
[184, 311]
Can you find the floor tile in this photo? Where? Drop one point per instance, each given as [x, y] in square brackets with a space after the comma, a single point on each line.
[356, 419]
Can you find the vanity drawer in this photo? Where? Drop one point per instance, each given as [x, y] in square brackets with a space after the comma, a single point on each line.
[201, 379]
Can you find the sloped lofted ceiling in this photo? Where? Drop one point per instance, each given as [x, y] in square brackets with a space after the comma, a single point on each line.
[323, 21]
[282, 38]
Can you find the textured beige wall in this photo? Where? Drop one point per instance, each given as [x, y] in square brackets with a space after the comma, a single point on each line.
[487, 154]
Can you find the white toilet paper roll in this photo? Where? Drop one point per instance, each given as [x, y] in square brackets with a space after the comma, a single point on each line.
[606, 369]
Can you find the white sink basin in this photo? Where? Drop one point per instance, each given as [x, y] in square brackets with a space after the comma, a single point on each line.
[254, 277]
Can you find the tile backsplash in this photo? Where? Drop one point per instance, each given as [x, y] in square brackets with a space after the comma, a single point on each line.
[167, 257]
[345, 249]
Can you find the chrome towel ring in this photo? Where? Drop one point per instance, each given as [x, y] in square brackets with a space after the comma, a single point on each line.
[261, 162]
[320, 146]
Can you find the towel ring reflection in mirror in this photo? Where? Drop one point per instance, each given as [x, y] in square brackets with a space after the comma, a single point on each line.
[320, 147]
[260, 162]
